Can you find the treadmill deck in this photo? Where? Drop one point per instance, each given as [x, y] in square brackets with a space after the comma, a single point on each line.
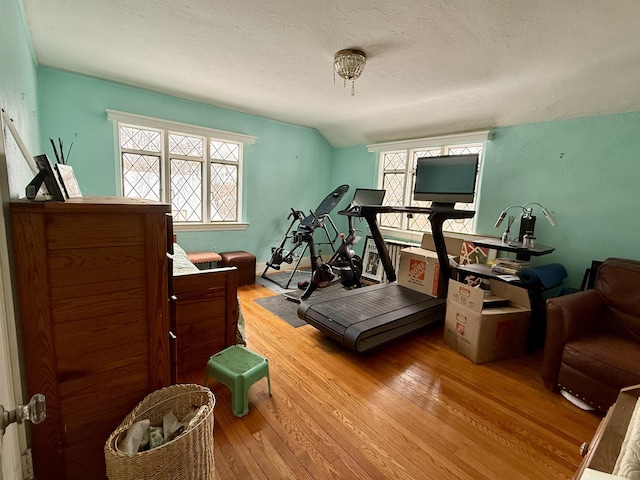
[366, 317]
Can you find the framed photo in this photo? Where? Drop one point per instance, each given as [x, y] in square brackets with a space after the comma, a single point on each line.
[371, 264]
[68, 181]
[48, 177]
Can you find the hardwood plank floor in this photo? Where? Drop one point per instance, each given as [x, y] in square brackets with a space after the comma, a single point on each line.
[413, 409]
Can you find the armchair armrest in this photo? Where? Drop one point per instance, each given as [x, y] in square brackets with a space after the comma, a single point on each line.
[568, 317]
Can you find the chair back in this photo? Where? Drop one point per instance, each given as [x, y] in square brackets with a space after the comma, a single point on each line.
[618, 283]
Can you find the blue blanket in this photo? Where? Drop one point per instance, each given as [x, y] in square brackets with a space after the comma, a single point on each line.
[545, 276]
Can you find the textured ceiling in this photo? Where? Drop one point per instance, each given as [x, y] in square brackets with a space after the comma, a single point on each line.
[433, 66]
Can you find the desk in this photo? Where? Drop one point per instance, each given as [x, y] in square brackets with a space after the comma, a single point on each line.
[537, 325]
[522, 253]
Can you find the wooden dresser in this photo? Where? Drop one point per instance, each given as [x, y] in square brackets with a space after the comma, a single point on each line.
[602, 452]
[92, 285]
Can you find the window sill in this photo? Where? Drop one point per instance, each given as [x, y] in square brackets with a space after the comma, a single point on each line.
[412, 236]
[207, 227]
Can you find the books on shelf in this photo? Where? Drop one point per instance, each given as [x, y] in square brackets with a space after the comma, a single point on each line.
[509, 266]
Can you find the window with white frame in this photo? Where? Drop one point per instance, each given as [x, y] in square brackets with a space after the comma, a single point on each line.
[397, 176]
[195, 169]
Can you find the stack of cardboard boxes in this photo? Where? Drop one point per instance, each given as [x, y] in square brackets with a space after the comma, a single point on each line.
[483, 324]
[485, 327]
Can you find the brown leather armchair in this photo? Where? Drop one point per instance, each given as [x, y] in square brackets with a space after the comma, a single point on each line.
[592, 345]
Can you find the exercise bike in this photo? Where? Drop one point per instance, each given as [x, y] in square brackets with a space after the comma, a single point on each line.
[344, 262]
[302, 236]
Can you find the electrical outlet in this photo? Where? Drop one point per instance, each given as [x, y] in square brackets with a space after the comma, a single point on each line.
[27, 465]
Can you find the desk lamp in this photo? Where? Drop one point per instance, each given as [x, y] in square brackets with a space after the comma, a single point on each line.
[527, 220]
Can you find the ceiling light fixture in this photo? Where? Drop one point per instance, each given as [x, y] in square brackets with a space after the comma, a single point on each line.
[349, 64]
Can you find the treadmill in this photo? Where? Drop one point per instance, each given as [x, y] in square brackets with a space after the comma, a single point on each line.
[367, 317]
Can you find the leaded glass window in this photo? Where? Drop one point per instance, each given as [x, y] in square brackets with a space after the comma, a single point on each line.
[398, 169]
[197, 174]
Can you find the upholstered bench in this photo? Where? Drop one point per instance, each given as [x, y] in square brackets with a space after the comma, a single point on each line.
[244, 262]
[200, 258]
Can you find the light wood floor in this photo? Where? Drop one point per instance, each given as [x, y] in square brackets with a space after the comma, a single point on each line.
[414, 409]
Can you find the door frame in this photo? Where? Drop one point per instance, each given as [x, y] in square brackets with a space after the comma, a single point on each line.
[14, 441]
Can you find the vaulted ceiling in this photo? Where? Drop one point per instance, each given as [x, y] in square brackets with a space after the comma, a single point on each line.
[433, 66]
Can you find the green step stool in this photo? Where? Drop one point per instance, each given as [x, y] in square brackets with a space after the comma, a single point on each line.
[238, 368]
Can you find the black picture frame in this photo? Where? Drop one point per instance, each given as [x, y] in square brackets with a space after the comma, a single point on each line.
[47, 176]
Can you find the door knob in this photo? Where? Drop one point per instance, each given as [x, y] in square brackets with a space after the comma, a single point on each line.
[35, 411]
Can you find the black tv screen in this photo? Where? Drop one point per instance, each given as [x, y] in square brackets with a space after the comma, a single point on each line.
[446, 179]
[368, 196]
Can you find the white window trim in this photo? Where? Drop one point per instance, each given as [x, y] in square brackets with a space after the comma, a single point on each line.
[120, 117]
[206, 227]
[141, 120]
[471, 137]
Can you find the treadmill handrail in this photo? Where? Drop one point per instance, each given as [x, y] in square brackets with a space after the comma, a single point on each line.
[438, 213]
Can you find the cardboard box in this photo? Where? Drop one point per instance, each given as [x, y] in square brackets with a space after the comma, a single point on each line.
[419, 270]
[453, 244]
[487, 334]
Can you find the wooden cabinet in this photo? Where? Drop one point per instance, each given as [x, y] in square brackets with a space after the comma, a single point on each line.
[206, 314]
[602, 452]
[92, 286]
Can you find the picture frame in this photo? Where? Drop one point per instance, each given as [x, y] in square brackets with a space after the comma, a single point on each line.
[68, 180]
[47, 178]
[371, 262]
[472, 253]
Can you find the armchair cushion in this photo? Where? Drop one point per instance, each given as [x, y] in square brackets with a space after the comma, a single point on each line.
[608, 360]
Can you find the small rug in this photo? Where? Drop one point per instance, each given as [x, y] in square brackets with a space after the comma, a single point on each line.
[277, 281]
[285, 305]
[283, 308]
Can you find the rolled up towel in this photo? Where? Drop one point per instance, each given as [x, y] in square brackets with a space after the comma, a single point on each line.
[546, 276]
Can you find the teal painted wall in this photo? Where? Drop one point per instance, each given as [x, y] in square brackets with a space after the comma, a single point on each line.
[18, 92]
[288, 166]
[586, 171]
[358, 168]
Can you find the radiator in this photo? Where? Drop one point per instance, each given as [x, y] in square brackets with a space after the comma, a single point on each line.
[394, 247]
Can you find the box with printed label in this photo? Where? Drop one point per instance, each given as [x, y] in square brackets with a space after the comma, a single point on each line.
[419, 270]
[487, 334]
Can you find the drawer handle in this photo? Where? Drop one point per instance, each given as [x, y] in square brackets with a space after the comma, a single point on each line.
[584, 449]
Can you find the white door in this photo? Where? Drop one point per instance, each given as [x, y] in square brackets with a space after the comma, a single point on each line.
[14, 440]
[10, 468]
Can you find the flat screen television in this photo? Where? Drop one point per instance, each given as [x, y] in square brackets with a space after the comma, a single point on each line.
[446, 179]
[368, 196]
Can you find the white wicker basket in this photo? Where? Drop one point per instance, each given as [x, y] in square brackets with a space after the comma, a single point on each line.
[188, 457]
